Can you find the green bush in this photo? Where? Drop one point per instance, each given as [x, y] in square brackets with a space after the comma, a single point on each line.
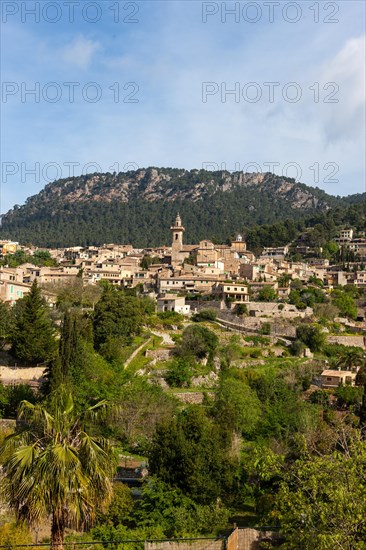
[179, 373]
[205, 315]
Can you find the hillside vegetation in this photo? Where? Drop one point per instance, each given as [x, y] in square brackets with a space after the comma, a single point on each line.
[138, 207]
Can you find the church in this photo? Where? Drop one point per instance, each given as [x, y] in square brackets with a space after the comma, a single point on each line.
[206, 254]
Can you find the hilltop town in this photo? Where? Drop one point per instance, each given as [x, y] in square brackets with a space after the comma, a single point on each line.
[180, 273]
[232, 372]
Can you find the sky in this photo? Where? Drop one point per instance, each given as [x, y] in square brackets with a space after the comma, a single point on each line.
[116, 85]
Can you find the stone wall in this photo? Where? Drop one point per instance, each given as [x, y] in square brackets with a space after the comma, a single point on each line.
[192, 397]
[197, 544]
[359, 341]
[16, 375]
[273, 309]
[158, 355]
[253, 324]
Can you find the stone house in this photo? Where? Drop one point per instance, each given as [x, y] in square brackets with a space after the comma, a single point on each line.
[332, 378]
[170, 302]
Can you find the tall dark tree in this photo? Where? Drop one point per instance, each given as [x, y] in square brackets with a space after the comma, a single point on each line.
[5, 322]
[67, 367]
[190, 454]
[33, 336]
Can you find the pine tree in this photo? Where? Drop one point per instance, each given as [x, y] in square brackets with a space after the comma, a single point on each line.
[33, 338]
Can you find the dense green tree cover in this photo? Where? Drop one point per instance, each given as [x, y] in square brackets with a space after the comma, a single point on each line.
[6, 319]
[120, 507]
[160, 512]
[11, 397]
[32, 335]
[74, 294]
[237, 406]
[348, 396]
[312, 336]
[69, 365]
[282, 412]
[118, 315]
[189, 454]
[54, 467]
[305, 296]
[176, 513]
[345, 303]
[179, 372]
[321, 502]
[240, 309]
[38, 258]
[51, 219]
[197, 341]
[267, 294]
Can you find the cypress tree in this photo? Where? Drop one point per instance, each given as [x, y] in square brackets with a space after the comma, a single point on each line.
[70, 350]
[33, 336]
[363, 410]
[67, 368]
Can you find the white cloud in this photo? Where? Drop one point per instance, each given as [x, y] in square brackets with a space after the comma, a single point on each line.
[345, 120]
[80, 52]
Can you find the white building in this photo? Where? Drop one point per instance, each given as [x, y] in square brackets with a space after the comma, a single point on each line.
[170, 302]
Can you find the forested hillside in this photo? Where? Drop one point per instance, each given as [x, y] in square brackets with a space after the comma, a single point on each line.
[215, 427]
[138, 207]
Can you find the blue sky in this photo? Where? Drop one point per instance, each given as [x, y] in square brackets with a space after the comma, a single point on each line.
[151, 87]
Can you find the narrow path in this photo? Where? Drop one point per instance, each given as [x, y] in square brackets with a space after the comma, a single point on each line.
[136, 352]
[167, 339]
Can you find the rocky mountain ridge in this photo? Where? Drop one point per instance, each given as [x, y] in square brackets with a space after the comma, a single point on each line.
[154, 185]
[139, 206]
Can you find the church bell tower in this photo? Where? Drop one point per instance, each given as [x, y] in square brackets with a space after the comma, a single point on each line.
[177, 232]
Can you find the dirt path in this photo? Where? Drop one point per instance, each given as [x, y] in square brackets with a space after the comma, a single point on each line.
[167, 339]
[136, 352]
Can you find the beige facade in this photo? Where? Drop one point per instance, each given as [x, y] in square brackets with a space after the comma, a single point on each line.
[186, 284]
[8, 247]
[333, 378]
[206, 254]
[235, 292]
[177, 245]
[11, 291]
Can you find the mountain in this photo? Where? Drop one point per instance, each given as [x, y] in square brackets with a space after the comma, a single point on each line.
[139, 206]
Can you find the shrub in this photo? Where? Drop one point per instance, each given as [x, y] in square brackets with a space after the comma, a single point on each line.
[205, 315]
[240, 309]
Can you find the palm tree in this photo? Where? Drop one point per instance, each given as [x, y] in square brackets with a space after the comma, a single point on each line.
[53, 467]
[351, 357]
